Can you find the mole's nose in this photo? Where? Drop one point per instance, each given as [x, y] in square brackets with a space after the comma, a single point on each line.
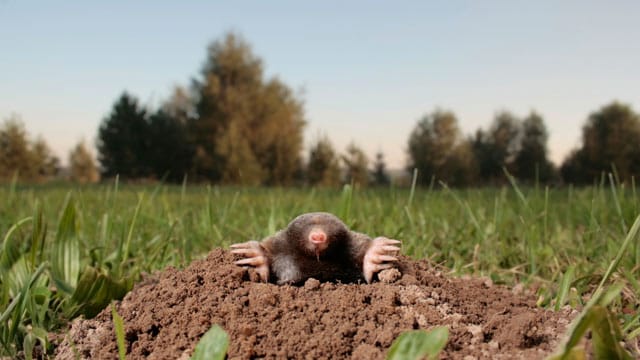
[318, 237]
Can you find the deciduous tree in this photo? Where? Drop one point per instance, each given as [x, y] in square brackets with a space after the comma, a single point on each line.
[531, 162]
[238, 110]
[241, 165]
[19, 156]
[323, 167]
[438, 150]
[610, 141]
[44, 163]
[15, 152]
[356, 165]
[497, 148]
[82, 166]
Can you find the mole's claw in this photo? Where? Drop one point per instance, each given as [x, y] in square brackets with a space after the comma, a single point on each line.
[379, 267]
[390, 248]
[382, 258]
[380, 255]
[254, 256]
[253, 261]
[368, 275]
[246, 245]
[387, 241]
[246, 252]
[263, 271]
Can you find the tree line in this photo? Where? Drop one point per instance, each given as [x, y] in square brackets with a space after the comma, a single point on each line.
[518, 147]
[22, 156]
[32, 160]
[233, 125]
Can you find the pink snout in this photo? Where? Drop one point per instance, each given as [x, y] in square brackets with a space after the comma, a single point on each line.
[317, 237]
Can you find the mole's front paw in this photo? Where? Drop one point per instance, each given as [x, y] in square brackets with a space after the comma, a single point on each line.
[254, 256]
[379, 256]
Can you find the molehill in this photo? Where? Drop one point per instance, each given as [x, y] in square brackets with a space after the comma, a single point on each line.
[166, 314]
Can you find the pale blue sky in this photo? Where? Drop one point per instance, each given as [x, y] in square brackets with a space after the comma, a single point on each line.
[368, 70]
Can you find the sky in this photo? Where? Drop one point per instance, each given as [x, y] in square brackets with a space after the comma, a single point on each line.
[367, 71]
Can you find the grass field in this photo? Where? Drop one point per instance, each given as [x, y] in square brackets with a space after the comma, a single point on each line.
[68, 251]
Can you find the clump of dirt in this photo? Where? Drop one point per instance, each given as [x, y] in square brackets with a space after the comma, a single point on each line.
[165, 316]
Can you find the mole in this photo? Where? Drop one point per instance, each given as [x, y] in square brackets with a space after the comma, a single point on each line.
[317, 245]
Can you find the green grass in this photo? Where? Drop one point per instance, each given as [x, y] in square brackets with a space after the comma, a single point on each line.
[69, 251]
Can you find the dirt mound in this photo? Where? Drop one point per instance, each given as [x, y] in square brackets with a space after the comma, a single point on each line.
[166, 315]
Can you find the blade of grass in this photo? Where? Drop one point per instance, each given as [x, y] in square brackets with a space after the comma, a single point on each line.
[28, 344]
[616, 202]
[412, 191]
[631, 235]
[634, 334]
[565, 284]
[11, 245]
[18, 309]
[127, 245]
[600, 296]
[65, 255]
[38, 234]
[345, 203]
[118, 326]
[606, 336]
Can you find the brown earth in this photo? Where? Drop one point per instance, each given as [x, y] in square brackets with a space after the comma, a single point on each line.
[167, 314]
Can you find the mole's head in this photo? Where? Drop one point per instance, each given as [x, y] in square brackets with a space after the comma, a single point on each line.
[316, 233]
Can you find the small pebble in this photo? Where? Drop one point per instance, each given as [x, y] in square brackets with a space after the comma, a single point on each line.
[246, 330]
[311, 284]
[518, 289]
[389, 276]
[253, 275]
[430, 301]
[475, 330]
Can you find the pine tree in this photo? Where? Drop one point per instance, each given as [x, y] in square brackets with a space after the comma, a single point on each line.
[379, 173]
[170, 153]
[123, 140]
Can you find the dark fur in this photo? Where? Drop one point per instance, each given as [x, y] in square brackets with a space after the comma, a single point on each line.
[291, 262]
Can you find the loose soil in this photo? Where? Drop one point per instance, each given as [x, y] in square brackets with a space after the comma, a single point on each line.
[166, 314]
